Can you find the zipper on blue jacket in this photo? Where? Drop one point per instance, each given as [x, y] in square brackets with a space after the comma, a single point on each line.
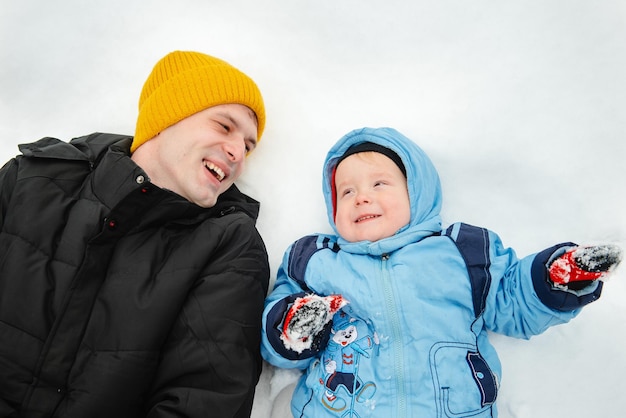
[396, 336]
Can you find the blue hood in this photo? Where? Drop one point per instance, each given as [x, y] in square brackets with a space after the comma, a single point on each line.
[422, 182]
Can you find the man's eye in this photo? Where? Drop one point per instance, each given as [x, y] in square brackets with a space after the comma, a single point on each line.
[250, 146]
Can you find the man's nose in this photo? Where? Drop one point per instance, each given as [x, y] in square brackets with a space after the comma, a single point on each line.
[235, 149]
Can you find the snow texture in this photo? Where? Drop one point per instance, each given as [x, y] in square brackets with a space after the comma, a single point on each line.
[599, 258]
[520, 104]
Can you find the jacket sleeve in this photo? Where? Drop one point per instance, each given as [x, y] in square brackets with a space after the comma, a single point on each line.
[522, 301]
[289, 285]
[211, 362]
[8, 175]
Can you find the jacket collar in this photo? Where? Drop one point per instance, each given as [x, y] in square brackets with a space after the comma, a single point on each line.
[117, 175]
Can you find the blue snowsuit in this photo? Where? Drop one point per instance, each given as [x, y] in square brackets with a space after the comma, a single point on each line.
[413, 340]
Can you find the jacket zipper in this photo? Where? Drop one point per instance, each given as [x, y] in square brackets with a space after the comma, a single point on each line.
[396, 336]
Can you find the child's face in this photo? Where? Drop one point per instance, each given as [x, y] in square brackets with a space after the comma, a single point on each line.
[372, 197]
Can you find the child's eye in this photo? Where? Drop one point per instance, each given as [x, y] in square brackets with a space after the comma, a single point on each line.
[226, 127]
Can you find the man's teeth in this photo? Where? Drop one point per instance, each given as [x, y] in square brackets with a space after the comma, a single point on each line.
[219, 174]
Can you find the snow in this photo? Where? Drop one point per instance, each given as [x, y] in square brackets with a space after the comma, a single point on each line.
[598, 258]
[521, 106]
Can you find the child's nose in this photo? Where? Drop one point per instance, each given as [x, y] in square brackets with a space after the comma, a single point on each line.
[362, 198]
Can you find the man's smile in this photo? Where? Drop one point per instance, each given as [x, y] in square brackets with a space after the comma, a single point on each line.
[215, 170]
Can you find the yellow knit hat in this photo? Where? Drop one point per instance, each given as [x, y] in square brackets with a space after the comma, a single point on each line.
[183, 83]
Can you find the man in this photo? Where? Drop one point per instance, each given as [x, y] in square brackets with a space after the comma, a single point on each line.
[132, 276]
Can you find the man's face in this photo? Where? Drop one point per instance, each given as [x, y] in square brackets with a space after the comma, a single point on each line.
[201, 156]
[372, 197]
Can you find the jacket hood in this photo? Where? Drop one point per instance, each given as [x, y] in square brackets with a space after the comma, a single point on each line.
[423, 184]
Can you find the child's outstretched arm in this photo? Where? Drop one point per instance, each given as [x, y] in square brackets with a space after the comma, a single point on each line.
[531, 294]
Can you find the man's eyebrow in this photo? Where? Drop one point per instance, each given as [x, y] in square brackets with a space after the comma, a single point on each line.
[229, 117]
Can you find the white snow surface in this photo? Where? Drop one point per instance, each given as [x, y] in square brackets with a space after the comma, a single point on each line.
[520, 104]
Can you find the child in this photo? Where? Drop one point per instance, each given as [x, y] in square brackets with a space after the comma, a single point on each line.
[389, 317]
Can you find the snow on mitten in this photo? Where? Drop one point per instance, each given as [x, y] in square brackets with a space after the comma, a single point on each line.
[581, 264]
[306, 318]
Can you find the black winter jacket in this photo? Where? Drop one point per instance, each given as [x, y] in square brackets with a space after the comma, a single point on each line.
[118, 298]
